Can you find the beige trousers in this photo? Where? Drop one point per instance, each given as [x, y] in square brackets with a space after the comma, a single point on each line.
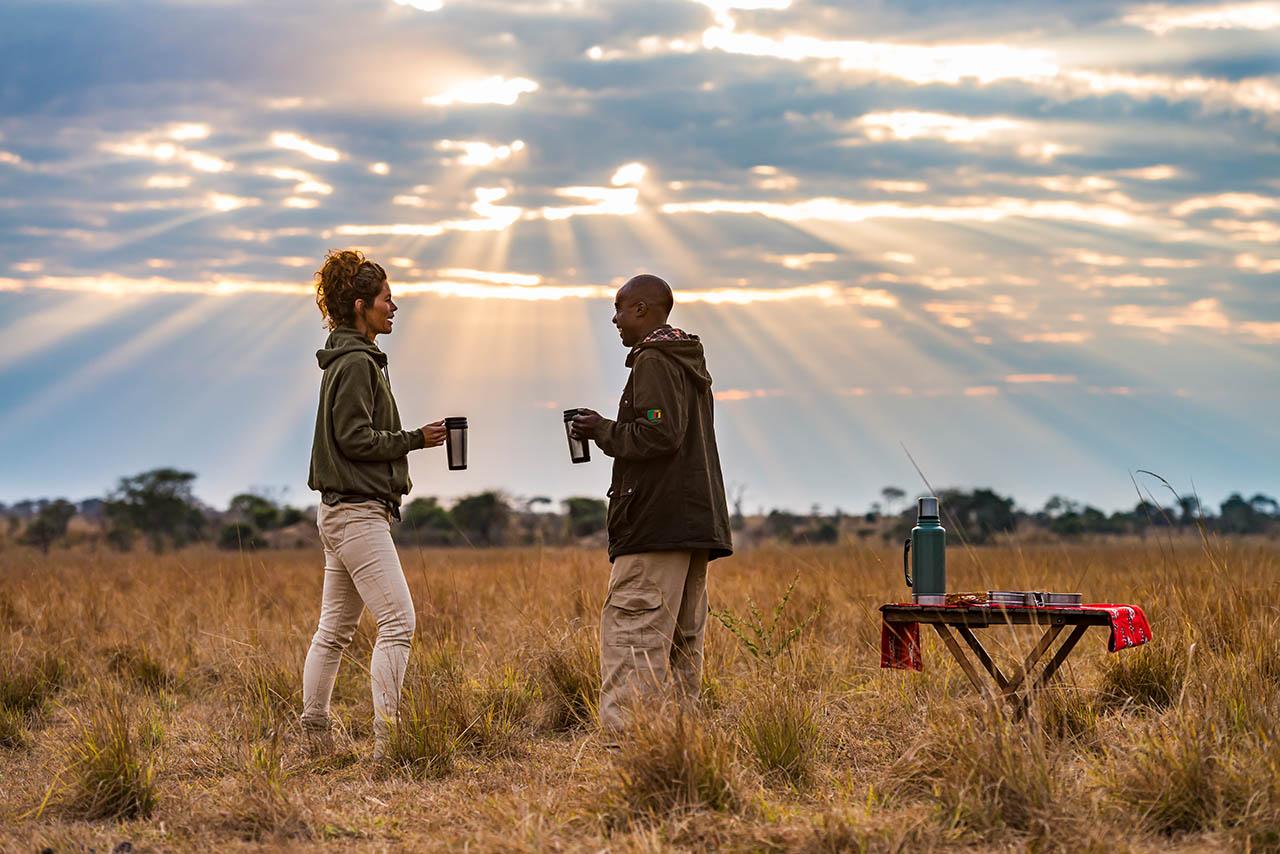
[361, 568]
[651, 631]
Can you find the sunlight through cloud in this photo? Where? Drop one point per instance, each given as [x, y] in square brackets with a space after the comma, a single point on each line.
[491, 90]
[1161, 19]
[294, 142]
[475, 153]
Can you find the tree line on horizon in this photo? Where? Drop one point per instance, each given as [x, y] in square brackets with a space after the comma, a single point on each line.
[159, 507]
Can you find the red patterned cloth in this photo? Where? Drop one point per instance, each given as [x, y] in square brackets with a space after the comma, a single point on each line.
[900, 642]
[1129, 626]
[900, 646]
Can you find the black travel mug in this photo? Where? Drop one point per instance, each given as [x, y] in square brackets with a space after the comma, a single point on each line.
[455, 442]
[579, 449]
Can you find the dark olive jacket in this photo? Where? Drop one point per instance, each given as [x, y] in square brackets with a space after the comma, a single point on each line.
[359, 449]
[667, 492]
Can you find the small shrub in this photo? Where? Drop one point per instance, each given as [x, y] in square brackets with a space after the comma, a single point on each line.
[763, 640]
[668, 761]
[112, 767]
[779, 728]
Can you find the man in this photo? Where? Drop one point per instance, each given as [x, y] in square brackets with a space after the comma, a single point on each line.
[667, 510]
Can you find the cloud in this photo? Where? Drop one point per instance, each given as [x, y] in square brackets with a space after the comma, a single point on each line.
[1202, 314]
[1050, 379]
[1162, 19]
[489, 90]
[912, 124]
[294, 142]
[476, 153]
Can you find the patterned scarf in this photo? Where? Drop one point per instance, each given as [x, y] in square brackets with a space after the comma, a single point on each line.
[666, 333]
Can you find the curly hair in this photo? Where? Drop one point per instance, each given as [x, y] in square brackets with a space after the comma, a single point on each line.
[345, 277]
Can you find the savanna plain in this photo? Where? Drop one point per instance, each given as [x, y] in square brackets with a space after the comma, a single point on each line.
[154, 699]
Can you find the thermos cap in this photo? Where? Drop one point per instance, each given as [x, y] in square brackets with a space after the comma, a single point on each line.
[570, 413]
[928, 507]
[456, 422]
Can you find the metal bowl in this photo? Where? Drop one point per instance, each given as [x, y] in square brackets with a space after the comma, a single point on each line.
[1011, 597]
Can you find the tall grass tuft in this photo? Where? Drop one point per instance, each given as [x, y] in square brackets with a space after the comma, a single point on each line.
[670, 760]
[270, 696]
[13, 730]
[112, 769]
[984, 774]
[779, 728]
[1151, 676]
[137, 664]
[569, 681]
[264, 807]
[424, 741]
[27, 685]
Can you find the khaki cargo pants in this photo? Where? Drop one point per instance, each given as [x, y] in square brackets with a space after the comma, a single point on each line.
[651, 631]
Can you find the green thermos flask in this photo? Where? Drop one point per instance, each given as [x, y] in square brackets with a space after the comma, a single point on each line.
[924, 556]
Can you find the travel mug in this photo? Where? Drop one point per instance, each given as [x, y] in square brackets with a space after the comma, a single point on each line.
[579, 449]
[455, 441]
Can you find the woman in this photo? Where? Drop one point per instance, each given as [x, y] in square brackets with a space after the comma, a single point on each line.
[360, 467]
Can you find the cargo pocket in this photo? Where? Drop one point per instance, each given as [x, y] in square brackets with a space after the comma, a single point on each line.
[634, 617]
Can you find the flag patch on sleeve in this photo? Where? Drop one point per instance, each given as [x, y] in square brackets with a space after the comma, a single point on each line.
[653, 415]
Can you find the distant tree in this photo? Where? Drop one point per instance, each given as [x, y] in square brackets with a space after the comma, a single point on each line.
[157, 504]
[257, 510]
[425, 521]
[239, 536]
[1238, 516]
[586, 515]
[1265, 504]
[779, 524]
[979, 514]
[49, 524]
[892, 495]
[1188, 509]
[291, 516]
[484, 517]
[737, 492]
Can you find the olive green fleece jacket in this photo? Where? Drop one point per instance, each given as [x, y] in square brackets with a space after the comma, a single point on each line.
[667, 492]
[359, 450]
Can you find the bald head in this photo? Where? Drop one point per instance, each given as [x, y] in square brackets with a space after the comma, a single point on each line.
[652, 290]
[641, 306]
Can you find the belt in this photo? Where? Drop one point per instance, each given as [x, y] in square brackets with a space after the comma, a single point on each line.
[393, 509]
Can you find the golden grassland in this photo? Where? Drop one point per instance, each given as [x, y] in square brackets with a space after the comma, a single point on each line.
[155, 699]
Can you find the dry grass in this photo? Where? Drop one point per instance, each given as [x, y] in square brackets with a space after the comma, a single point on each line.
[157, 698]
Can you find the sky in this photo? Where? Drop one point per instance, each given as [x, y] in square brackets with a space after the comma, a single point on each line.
[1034, 247]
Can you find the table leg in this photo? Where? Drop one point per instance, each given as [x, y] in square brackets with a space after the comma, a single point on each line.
[1019, 675]
[974, 644]
[957, 652]
[1024, 702]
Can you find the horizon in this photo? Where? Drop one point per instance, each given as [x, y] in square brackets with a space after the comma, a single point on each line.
[1037, 249]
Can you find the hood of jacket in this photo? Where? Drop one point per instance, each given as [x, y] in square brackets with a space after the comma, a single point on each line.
[344, 340]
[679, 346]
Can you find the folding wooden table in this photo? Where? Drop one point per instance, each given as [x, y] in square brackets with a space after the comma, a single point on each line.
[964, 619]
